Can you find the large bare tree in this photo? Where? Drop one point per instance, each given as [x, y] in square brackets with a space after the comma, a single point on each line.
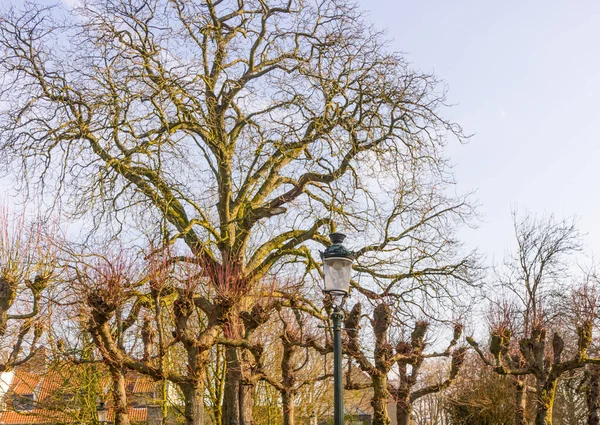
[241, 130]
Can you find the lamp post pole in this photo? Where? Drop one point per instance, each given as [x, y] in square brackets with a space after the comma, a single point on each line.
[338, 383]
[337, 269]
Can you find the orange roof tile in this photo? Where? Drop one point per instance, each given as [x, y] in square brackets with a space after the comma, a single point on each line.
[25, 382]
[135, 414]
[41, 416]
[36, 416]
[51, 382]
[143, 384]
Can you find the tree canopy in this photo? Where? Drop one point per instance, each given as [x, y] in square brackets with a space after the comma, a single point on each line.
[244, 129]
[236, 135]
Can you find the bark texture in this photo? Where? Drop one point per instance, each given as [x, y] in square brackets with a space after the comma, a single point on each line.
[288, 400]
[233, 381]
[246, 402]
[545, 403]
[520, 401]
[119, 396]
[380, 400]
[404, 411]
[593, 396]
[193, 395]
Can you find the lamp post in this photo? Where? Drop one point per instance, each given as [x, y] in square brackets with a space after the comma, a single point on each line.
[101, 410]
[337, 269]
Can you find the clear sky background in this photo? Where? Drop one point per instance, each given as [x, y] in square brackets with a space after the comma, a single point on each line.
[524, 77]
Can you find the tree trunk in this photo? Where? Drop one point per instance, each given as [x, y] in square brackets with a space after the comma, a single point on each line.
[544, 415]
[520, 402]
[403, 409]
[545, 403]
[246, 389]
[163, 400]
[593, 396]
[193, 394]
[232, 391]
[380, 400]
[246, 403]
[288, 400]
[238, 399]
[119, 396]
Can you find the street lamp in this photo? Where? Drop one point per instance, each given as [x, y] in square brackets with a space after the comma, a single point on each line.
[337, 269]
[101, 410]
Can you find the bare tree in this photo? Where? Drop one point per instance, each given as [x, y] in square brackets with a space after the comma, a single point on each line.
[106, 286]
[385, 358]
[27, 265]
[406, 393]
[241, 129]
[298, 348]
[531, 278]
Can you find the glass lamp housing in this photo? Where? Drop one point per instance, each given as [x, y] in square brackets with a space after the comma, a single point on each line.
[337, 266]
[101, 411]
[337, 271]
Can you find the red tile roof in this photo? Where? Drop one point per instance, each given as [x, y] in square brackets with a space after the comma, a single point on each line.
[143, 384]
[135, 414]
[25, 382]
[42, 416]
[51, 382]
[35, 416]
[44, 385]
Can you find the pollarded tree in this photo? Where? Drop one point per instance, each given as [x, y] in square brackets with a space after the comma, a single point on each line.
[104, 287]
[296, 361]
[118, 294]
[239, 128]
[502, 347]
[27, 262]
[540, 357]
[534, 343]
[410, 369]
[408, 356]
[480, 396]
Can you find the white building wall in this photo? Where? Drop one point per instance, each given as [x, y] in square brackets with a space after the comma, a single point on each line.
[6, 379]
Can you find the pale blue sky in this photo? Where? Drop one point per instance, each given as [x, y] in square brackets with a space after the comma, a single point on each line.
[524, 77]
